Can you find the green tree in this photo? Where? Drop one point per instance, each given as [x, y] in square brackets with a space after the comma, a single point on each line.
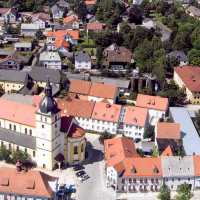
[19, 155]
[184, 192]
[4, 154]
[194, 56]
[164, 193]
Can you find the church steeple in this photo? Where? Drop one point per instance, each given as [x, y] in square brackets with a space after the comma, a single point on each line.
[48, 104]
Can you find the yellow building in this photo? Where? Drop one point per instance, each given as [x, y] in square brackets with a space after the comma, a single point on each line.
[188, 78]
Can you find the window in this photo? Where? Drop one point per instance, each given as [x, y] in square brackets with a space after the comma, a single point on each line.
[14, 127]
[1, 143]
[55, 125]
[56, 118]
[9, 146]
[75, 150]
[44, 166]
[33, 153]
[42, 125]
[82, 148]
[30, 132]
[17, 148]
[25, 150]
[10, 126]
[25, 130]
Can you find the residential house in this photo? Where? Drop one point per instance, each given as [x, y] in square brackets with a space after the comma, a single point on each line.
[23, 46]
[59, 9]
[71, 21]
[11, 61]
[193, 12]
[105, 117]
[178, 56]
[50, 60]
[42, 19]
[95, 26]
[168, 134]
[157, 106]
[126, 171]
[133, 121]
[61, 39]
[18, 183]
[93, 91]
[8, 15]
[117, 58]
[187, 77]
[82, 61]
[29, 30]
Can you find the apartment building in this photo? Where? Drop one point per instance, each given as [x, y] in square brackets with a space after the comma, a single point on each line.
[157, 106]
[127, 172]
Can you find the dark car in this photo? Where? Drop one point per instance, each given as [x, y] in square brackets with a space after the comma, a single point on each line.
[80, 173]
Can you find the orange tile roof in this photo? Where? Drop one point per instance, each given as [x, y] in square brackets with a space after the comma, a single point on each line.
[61, 42]
[90, 2]
[106, 112]
[31, 183]
[135, 116]
[80, 87]
[95, 26]
[196, 160]
[190, 75]
[168, 130]
[70, 19]
[76, 131]
[19, 112]
[75, 107]
[167, 152]
[142, 167]
[117, 149]
[152, 102]
[103, 90]
[62, 33]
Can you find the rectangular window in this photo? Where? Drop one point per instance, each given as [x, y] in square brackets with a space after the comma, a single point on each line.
[25, 130]
[14, 127]
[42, 126]
[30, 132]
[17, 148]
[75, 150]
[10, 126]
[33, 153]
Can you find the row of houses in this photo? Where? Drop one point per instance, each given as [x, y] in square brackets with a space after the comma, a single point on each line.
[126, 171]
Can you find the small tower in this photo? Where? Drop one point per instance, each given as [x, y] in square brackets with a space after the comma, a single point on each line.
[48, 138]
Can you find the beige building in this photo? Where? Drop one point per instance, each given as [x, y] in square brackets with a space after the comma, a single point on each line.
[188, 78]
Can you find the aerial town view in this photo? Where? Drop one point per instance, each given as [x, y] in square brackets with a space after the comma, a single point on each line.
[99, 99]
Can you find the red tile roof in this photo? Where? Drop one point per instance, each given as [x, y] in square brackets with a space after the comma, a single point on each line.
[103, 90]
[117, 149]
[80, 87]
[167, 152]
[75, 107]
[31, 183]
[19, 112]
[70, 19]
[95, 26]
[106, 112]
[135, 116]
[190, 76]
[152, 102]
[90, 2]
[168, 130]
[62, 33]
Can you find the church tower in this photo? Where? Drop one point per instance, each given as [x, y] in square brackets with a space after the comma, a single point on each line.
[49, 138]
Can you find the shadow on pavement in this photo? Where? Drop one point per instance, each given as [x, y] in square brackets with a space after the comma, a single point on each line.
[92, 154]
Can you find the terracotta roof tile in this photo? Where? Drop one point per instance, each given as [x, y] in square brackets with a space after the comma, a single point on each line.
[152, 102]
[31, 183]
[168, 130]
[75, 107]
[103, 90]
[70, 19]
[106, 112]
[90, 2]
[80, 87]
[135, 116]
[62, 33]
[190, 75]
[95, 26]
[167, 152]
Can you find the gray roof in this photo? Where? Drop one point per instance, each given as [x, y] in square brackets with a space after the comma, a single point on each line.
[12, 75]
[82, 57]
[194, 10]
[43, 74]
[175, 166]
[17, 138]
[190, 137]
[114, 81]
[180, 55]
